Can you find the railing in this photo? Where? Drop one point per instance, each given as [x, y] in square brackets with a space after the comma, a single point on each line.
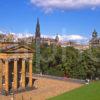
[60, 78]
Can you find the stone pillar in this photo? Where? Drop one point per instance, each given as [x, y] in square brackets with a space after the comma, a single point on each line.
[0, 74]
[23, 73]
[7, 75]
[15, 74]
[30, 73]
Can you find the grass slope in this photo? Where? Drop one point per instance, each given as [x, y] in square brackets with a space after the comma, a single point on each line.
[87, 92]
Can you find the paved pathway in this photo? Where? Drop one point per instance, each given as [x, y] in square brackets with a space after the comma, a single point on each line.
[46, 88]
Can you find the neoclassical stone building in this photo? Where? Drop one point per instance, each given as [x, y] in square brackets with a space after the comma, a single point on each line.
[16, 61]
[16, 67]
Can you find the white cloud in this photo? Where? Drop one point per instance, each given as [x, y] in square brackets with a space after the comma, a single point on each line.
[67, 37]
[49, 5]
[1, 32]
[22, 35]
[73, 38]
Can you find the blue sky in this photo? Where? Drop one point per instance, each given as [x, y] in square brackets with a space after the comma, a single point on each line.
[63, 17]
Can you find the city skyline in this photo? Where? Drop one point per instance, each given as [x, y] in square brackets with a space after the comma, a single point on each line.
[73, 22]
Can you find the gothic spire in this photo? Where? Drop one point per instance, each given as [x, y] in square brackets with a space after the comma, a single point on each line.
[37, 33]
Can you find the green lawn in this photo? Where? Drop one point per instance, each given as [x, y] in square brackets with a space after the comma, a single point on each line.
[87, 92]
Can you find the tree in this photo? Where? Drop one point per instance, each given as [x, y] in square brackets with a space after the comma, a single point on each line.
[69, 62]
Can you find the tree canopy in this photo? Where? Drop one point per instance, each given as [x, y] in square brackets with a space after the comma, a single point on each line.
[69, 62]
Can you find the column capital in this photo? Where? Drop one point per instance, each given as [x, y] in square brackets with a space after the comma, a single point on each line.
[0, 60]
[7, 59]
[16, 59]
[30, 58]
[24, 59]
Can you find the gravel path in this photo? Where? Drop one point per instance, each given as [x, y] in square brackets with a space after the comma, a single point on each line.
[45, 88]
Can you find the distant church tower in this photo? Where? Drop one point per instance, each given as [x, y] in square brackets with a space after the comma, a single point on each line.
[94, 34]
[57, 38]
[95, 41]
[38, 43]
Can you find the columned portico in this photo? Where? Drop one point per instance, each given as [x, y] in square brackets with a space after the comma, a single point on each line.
[0, 75]
[15, 74]
[6, 75]
[30, 72]
[23, 73]
[14, 68]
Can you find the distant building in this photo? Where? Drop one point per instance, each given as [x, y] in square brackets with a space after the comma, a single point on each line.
[49, 41]
[27, 40]
[95, 41]
[7, 38]
[13, 68]
[78, 46]
[37, 37]
[12, 39]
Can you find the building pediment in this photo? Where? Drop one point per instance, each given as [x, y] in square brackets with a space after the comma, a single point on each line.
[18, 49]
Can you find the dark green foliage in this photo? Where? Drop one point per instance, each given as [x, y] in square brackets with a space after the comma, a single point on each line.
[69, 62]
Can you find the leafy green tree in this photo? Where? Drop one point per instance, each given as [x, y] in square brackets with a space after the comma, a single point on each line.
[69, 62]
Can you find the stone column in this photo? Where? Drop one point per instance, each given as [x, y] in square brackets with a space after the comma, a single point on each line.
[15, 74]
[0, 74]
[30, 73]
[23, 73]
[7, 75]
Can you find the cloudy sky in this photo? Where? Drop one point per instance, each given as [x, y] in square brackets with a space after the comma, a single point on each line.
[71, 19]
